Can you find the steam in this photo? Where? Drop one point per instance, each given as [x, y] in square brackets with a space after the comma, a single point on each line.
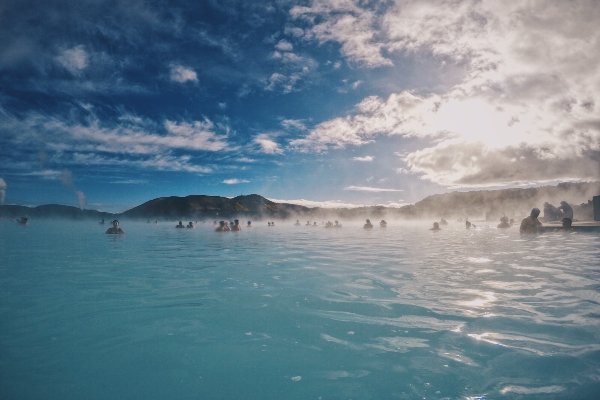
[2, 190]
[67, 181]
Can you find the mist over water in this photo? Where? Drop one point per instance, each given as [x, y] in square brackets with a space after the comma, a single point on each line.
[297, 312]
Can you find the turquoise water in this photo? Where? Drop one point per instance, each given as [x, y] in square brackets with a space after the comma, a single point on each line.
[297, 313]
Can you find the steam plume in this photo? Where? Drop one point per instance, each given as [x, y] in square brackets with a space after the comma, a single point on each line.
[2, 190]
[67, 181]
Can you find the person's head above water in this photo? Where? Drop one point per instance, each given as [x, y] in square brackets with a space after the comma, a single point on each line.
[115, 223]
[436, 225]
[222, 223]
[535, 212]
[566, 223]
[368, 221]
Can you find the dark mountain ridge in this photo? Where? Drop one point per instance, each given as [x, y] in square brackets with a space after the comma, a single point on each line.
[489, 204]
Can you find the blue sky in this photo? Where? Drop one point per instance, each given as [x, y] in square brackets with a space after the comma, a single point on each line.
[330, 102]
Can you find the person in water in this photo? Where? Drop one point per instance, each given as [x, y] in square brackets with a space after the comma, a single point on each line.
[567, 225]
[550, 212]
[315, 224]
[180, 225]
[102, 222]
[504, 223]
[531, 224]
[115, 230]
[249, 224]
[236, 226]
[566, 210]
[337, 224]
[436, 227]
[190, 225]
[297, 223]
[328, 224]
[469, 225]
[383, 224]
[222, 227]
[443, 222]
[368, 225]
[307, 223]
[23, 221]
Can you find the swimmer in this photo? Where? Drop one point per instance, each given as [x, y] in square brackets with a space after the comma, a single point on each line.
[531, 224]
[272, 223]
[328, 224]
[23, 221]
[236, 226]
[315, 224]
[504, 223]
[115, 229]
[368, 225]
[307, 223]
[383, 224]
[180, 225]
[102, 222]
[436, 227]
[297, 223]
[443, 222]
[249, 225]
[190, 225]
[222, 227]
[337, 224]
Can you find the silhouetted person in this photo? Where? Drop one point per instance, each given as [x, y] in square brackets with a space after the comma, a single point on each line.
[102, 222]
[236, 226]
[368, 225]
[190, 225]
[567, 224]
[443, 222]
[297, 223]
[115, 230]
[337, 224]
[307, 223]
[328, 224]
[550, 212]
[180, 225]
[383, 224]
[566, 209]
[23, 221]
[504, 223]
[222, 227]
[315, 224]
[436, 227]
[249, 224]
[531, 224]
[469, 225]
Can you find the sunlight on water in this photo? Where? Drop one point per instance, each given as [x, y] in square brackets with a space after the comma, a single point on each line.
[297, 313]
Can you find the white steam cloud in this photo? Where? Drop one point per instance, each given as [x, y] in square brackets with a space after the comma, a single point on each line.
[2, 190]
[67, 181]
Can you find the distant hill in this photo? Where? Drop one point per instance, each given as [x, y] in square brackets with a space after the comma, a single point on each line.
[199, 206]
[489, 204]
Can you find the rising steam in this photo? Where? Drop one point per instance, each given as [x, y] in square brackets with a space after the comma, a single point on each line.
[2, 190]
[67, 181]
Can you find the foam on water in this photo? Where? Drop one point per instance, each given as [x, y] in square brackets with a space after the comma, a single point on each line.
[297, 313]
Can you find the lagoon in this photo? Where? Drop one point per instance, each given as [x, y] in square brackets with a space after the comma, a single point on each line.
[290, 312]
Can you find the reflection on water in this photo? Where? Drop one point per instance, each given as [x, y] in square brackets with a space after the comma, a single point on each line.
[297, 312]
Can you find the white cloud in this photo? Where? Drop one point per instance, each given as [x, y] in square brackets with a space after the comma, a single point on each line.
[284, 45]
[363, 159]
[525, 110]
[182, 74]
[267, 145]
[74, 60]
[370, 189]
[245, 159]
[296, 124]
[234, 181]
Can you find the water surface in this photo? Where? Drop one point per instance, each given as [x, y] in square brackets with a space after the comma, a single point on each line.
[297, 313]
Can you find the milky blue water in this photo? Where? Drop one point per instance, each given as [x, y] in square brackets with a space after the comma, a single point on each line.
[297, 313]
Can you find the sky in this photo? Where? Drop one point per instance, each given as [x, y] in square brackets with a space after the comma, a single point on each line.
[108, 104]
